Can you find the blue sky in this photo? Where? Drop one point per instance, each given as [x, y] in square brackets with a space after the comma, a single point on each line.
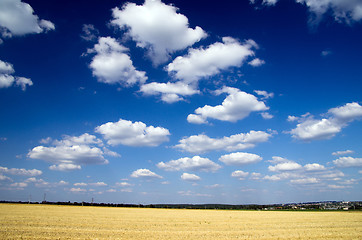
[181, 101]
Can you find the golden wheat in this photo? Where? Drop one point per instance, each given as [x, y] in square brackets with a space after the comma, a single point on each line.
[73, 222]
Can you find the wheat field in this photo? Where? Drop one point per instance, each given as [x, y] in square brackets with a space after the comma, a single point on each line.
[19, 221]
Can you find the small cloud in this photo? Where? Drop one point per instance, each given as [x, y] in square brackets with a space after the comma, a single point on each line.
[89, 32]
[326, 53]
[239, 174]
[256, 62]
[346, 152]
[145, 173]
[98, 184]
[80, 184]
[78, 190]
[190, 177]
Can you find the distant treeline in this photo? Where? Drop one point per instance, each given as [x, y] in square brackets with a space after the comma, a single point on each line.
[332, 205]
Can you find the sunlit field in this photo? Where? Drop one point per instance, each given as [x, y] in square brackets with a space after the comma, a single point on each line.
[19, 221]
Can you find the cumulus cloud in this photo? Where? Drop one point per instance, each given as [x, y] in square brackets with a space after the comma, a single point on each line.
[236, 106]
[346, 152]
[70, 152]
[309, 129]
[203, 63]
[202, 143]
[133, 134]
[169, 92]
[17, 18]
[157, 27]
[285, 166]
[20, 171]
[348, 162]
[7, 79]
[240, 158]
[112, 65]
[314, 167]
[145, 173]
[239, 174]
[190, 177]
[195, 163]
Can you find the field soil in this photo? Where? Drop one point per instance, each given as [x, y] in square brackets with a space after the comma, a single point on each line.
[27, 221]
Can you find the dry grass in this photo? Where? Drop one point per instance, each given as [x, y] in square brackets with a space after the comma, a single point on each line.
[72, 222]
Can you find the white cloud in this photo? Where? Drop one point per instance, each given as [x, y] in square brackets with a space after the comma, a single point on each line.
[264, 94]
[282, 176]
[348, 162]
[195, 163]
[240, 158]
[292, 118]
[346, 152]
[78, 190]
[239, 174]
[133, 134]
[19, 185]
[314, 167]
[193, 194]
[80, 184]
[255, 176]
[17, 18]
[256, 62]
[21, 171]
[6, 68]
[62, 183]
[145, 173]
[348, 112]
[190, 177]
[203, 63]
[112, 65]
[4, 178]
[123, 184]
[236, 106]
[202, 143]
[326, 53]
[111, 190]
[342, 11]
[170, 92]
[311, 129]
[84, 139]
[23, 82]
[7, 79]
[285, 166]
[157, 27]
[333, 186]
[216, 185]
[266, 115]
[70, 152]
[65, 167]
[89, 32]
[305, 180]
[98, 184]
